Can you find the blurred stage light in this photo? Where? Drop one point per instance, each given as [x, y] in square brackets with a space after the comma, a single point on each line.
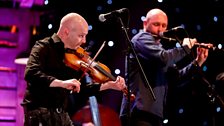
[50, 26]
[46, 2]
[198, 27]
[90, 27]
[165, 121]
[204, 68]
[34, 31]
[13, 29]
[220, 46]
[218, 109]
[181, 110]
[99, 8]
[133, 31]
[109, 1]
[143, 18]
[215, 18]
[117, 71]
[110, 43]
[178, 45]
[177, 10]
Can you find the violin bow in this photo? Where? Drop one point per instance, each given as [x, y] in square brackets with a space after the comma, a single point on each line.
[93, 59]
[100, 49]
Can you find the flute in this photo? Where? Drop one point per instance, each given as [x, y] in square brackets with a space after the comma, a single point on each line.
[203, 45]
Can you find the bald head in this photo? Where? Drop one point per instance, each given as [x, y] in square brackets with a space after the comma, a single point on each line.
[73, 30]
[72, 21]
[155, 12]
[156, 21]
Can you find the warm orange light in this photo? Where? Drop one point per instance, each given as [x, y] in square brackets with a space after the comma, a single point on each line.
[13, 29]
[34, 32]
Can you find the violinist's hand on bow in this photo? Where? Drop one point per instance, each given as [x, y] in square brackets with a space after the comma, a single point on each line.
[118, 84]
[71, 84]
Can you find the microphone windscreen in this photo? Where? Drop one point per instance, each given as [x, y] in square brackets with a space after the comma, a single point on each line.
[102, 17]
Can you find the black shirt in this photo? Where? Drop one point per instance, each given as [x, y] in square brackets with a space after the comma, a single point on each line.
[46, 64]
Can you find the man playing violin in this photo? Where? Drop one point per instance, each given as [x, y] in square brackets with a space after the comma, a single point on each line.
[50, 80]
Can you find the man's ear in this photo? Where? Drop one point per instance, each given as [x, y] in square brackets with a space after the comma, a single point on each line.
[144, 24]
[66, 32]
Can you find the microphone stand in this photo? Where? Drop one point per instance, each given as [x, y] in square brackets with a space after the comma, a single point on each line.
[213, 97]
[212, 94]
[129, 50]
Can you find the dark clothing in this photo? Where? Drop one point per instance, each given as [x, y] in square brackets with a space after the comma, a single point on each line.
[155, 61]
[141, 118]
[47, 117]
[46, 64]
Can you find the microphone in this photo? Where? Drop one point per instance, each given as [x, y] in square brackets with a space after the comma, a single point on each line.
[115, 13]
[167, 38]
[172, 30]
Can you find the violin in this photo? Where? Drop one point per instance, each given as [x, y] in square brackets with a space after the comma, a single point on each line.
[79, 59]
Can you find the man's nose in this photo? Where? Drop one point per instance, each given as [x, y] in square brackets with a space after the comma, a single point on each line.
[161, 29]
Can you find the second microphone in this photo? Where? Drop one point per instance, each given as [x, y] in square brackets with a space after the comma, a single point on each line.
[115, 13]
